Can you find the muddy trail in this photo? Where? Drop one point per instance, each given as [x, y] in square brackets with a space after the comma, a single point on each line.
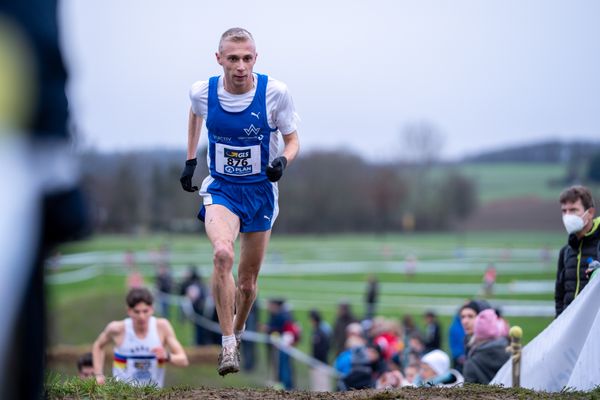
[466, 392]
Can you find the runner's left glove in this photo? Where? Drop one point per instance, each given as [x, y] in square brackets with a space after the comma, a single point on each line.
[275, 170]
[186, 176]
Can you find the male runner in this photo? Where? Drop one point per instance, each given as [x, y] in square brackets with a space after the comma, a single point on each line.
[143, 344]
[245, 113]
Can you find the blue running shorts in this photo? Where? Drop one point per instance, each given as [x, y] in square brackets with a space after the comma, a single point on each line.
[254, 203]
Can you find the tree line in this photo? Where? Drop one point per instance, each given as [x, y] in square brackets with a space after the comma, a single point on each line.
[321, 192]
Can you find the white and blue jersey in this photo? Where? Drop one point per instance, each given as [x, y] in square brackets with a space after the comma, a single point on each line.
[239, 142]
[243, 138]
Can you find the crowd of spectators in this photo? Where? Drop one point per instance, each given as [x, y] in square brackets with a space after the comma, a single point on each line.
[384, 353]
[372, 351]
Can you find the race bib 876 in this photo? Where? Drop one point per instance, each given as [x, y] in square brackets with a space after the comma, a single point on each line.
[237, 161]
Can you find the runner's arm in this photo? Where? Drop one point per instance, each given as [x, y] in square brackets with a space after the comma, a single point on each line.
[177, 355]
[106, 336]
[194, 129]
[292, 146]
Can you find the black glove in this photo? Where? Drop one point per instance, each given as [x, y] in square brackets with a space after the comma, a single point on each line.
[275, 170]
[186, 176]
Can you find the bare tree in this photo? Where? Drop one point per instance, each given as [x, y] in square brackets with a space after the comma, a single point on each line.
[421, 143]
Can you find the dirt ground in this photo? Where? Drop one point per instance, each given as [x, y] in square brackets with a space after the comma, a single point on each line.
[468, 392]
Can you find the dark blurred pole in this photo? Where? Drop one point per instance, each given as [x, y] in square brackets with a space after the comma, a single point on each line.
[273, 354]
[248, 347]
[58, 211]
[371, 297]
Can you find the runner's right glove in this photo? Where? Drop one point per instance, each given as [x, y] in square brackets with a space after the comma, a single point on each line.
[275, 170]
[186, 176]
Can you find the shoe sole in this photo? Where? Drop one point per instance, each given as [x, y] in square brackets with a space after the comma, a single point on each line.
[231, 369]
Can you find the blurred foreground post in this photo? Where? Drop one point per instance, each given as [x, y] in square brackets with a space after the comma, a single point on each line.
[320, 380]
[516, 333]
[42, 202]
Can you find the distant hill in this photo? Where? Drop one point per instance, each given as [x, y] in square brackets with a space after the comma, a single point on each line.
[542, 152]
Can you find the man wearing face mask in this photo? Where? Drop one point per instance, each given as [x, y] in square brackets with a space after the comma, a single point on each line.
[578, 214]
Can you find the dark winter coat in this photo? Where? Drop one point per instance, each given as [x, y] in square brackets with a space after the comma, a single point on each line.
[484, 360]
[572, 263]
[320, 343]
[433, 337]
[339, 332]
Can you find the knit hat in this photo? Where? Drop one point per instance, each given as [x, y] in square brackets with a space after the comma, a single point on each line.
[438, 361]
[486, 325]
[477, 305]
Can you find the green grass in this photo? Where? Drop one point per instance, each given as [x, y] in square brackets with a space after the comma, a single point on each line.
[195, 375]
[58, 387]
[496, 181]
[346, 246]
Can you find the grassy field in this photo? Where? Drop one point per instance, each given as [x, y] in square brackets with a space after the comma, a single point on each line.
[75, 389]
[312, 272]
[497, 181]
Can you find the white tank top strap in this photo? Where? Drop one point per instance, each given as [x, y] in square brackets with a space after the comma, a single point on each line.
[128, 327]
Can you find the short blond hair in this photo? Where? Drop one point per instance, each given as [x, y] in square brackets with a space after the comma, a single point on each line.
[235, 35]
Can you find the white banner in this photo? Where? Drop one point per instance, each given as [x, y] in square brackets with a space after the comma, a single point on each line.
[567, 353]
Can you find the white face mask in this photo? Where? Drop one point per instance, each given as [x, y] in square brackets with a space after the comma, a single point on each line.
[573, 223]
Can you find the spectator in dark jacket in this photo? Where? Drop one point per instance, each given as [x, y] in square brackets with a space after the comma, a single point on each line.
[371, 297]
[578, 212]
[344, 318]
[432, 332]
[249, 354]
[488, 349]
[321, 335]
[191, 277]
[196, 292]
[164, 287]
[282, 322]
[367, 365]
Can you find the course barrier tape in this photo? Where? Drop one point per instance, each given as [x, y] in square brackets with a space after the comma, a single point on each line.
[77, 275]
[521, 261]
[392, 293]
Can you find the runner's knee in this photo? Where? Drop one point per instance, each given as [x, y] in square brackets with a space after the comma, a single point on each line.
[247, 289]
[223, 255]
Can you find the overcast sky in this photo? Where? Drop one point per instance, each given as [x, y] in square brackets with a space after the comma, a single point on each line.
[485, 73]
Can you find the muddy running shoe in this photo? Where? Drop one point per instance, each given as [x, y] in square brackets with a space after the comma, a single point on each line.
[229, 360]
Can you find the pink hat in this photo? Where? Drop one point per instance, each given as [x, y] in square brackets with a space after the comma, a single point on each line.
[486, 325]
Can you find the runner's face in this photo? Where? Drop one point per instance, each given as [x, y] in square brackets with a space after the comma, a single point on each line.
[467, 319]
[140, 314]
[237, 60]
